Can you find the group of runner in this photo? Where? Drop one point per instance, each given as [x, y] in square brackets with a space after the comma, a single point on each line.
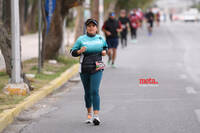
[118, 28]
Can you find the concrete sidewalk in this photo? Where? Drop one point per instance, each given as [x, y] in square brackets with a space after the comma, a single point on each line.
[29, 45]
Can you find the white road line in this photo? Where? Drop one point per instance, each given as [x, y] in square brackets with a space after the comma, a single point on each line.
[197, 112]
[190, 90]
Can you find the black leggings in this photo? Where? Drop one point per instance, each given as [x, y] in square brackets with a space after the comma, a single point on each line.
[124, 38]
[133, 33]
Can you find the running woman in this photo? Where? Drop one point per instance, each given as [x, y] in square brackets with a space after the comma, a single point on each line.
[111, 28]
[91, 47]
[125, 24]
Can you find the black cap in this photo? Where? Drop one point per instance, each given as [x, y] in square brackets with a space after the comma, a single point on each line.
[112, 14]
[91, 20]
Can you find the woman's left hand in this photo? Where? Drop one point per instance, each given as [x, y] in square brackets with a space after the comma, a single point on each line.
[103, 53]
[119, 30]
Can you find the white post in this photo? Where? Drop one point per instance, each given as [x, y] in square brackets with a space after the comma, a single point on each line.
[63, 45]
[16, 59]
[101, 15]
[17, 86]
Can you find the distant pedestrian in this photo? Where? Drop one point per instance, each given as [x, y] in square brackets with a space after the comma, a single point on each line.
[158, 18]
[91, 47]
[171, 17]
[140, 14]
[125, 24]
[112, 28]
[150, 21]
[164, 17]
[134, 24]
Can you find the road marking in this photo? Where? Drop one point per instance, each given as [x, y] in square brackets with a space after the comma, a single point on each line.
[197, 112]
[190, 90]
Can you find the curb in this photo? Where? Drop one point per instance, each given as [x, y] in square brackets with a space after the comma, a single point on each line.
[8, 116]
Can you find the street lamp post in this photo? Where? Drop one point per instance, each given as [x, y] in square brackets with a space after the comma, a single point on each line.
[16, 59]
[16, 86]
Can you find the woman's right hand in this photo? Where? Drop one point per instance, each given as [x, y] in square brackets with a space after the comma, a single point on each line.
[108, 33]
[103, 53]
[83, 49]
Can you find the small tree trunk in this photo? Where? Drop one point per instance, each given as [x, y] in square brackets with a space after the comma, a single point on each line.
[22, 7]
[43, 33]
[5, 46]
[111, 8]
[7, 14]
[79, 22]
[95, 9]
[53, 39]
[1, 9]
[31, 20]
[26, 7]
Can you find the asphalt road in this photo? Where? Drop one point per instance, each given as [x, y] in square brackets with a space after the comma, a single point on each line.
[171, 57]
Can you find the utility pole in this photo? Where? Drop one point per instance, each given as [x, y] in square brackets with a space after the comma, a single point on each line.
[16, 86]
[101, 15]
[16, 59]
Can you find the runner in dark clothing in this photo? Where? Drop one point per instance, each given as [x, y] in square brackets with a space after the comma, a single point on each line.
[125, 22]
[111, 28]
[150, 21]
[134, 24]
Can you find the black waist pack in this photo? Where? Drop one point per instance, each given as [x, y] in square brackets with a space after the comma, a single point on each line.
[88, 64]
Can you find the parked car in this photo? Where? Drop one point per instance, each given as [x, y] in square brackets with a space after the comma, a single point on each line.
[191, 15]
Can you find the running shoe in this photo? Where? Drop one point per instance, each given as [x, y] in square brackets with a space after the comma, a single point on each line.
[89, 119]
[109, 60]
[135, 41]
[114, 66]
[96, 120]
[149, 34]
[108, 63]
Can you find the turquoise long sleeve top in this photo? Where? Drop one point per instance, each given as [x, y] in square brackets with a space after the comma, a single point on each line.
[93, 44]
